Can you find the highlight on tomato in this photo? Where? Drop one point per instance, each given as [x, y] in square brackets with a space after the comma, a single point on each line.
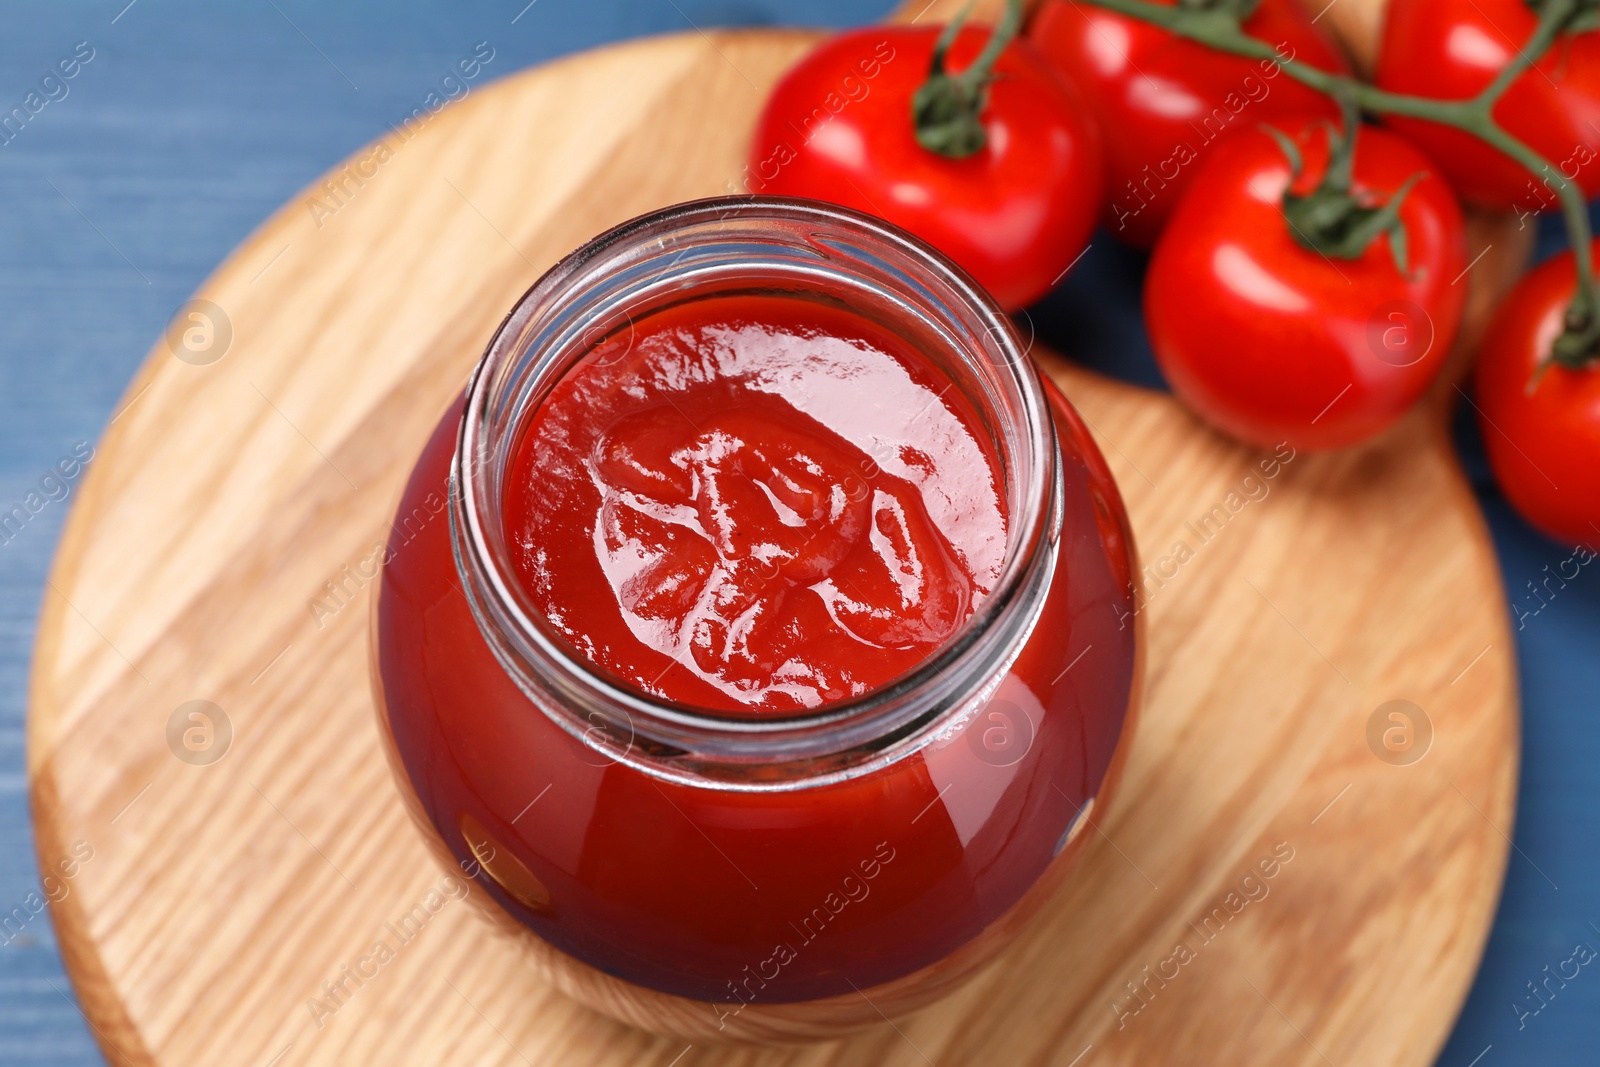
[1302, 290]
[965, 137]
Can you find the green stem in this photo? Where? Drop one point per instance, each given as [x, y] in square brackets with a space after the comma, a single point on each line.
[1341, 173]
[947, 110]
[1581, 341]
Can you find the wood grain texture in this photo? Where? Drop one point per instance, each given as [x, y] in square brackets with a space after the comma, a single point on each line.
[220, 898]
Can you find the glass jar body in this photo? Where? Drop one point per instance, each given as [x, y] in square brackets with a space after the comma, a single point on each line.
[738, 898]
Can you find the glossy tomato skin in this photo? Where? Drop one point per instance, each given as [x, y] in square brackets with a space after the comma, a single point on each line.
[1272, 342]
[1542, 432]
[1162, 102]
[1452, 50]
[1015, 214]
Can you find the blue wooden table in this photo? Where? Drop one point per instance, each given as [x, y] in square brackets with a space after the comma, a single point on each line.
[184, 124]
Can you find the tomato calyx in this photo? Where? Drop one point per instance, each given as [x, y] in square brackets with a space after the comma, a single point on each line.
[1578, 344]
[1332, 220]
[947, 110]
[1206, 19]
[1235, 11]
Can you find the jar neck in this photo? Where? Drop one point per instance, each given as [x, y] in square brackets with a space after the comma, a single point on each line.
[808, 251]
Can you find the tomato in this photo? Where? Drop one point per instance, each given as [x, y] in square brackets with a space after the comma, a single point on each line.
[1273, 342]
[1542, 428]
[1015, 214]
[1451, 50]
[1163, 101]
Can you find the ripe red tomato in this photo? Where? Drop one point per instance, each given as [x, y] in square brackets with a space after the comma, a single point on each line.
[1542, 430]
[1162, 101]
[1015, 214]
[1271, 341]
[1451, 50]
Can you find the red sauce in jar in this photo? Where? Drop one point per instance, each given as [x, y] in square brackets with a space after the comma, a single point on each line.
[755, 502]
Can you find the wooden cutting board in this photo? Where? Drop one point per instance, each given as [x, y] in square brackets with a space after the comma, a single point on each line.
[214, 882]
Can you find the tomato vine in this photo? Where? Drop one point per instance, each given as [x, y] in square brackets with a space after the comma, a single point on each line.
[1217, 25]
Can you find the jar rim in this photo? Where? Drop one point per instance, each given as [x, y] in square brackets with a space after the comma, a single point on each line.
[685, 742]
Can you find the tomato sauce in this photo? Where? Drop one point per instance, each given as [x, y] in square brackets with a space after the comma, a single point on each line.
[755, 503]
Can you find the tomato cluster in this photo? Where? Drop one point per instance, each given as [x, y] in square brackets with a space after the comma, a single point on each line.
[1306, 277]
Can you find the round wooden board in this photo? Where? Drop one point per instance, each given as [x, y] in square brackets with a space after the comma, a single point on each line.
[220, 898]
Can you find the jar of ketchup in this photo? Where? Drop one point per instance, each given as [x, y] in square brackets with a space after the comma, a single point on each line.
[759, 629]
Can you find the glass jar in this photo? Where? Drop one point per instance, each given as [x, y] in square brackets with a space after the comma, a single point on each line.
[706, 874]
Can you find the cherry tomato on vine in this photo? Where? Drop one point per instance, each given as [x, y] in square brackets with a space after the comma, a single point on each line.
[1163, 101]
[1452, 50]
[1014, 213]
[1272, 341]
[1541, 427]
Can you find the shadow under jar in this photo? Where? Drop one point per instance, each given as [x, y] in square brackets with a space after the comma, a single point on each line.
[758, 631]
